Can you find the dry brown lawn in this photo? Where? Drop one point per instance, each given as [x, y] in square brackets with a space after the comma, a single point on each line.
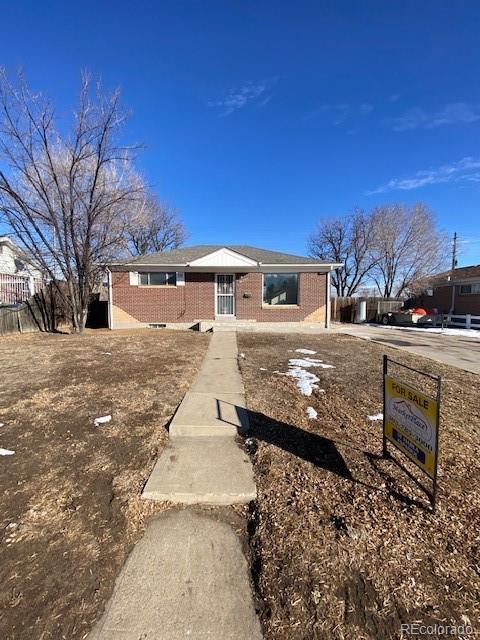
[344, 545]
[70, 506]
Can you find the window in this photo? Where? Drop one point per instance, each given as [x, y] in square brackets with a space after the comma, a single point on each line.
[157, 278]
[280, 288]
[469, 289]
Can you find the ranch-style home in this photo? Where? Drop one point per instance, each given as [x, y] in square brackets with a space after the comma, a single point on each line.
[206, 284]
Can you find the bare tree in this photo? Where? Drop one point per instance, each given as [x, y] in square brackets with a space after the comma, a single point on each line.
[64, 192]
[348, 240]
[408, 247]
[154, 226]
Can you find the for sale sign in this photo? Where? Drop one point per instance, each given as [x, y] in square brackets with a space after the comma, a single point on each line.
[411, 423]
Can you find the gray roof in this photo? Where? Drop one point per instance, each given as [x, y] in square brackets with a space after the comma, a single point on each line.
[188, 254]
[459, 273]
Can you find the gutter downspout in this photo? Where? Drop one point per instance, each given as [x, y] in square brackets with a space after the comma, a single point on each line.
[329, 310]
[109, 282]
[452, 305]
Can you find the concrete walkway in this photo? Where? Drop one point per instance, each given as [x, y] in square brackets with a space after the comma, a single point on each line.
[203, 464]
[187, 577]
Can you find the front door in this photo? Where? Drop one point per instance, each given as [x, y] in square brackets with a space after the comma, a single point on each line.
[225, 294]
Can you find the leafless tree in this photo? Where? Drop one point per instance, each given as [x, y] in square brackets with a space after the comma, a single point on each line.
[349, 240]
[408, 247]
[153, 226]
[65, 191]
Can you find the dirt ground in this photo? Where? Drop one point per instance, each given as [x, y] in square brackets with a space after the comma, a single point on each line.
[69, 496]
[344, 545]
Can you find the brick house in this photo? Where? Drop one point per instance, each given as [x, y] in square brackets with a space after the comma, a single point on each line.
[457, 291]
[218, 283]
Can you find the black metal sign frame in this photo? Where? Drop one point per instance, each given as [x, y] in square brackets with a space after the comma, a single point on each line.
[386, 454]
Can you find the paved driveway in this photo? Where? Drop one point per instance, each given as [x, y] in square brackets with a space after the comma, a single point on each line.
[459, 351]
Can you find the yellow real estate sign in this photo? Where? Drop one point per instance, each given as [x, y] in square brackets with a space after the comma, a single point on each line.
[411, 423]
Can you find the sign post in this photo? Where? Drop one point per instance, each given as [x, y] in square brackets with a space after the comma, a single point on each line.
[411, 421]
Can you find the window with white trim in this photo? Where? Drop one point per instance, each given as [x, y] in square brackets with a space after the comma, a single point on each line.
[280, 288]
[469, 289]
[157, 278]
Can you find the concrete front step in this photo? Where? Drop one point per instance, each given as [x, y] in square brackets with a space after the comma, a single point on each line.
[186, 578]
[204, 414]
[210, 470]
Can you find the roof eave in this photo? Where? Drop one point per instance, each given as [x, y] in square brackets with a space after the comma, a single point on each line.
[307, 266]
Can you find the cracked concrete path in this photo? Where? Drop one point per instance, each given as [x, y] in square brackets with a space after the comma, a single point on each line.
[186, 578]
[203, 464]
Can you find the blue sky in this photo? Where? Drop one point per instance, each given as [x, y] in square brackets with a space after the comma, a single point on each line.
[259, 118]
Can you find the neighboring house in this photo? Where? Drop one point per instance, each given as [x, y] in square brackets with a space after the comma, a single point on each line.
[212, 282]
[13, 260]
[455, 291]
[19, 279]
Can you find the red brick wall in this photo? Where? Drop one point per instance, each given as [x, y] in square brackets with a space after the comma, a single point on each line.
[311, 299]
[442, 300]
[196, 300]
[192, 302]
[467, 304]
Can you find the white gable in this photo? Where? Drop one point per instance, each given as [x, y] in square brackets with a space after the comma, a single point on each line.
[224, 258]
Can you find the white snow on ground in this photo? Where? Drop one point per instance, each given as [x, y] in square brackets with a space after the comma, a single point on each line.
[309, 362]
[311, 413]
[6, 452]
[307, 352]
[106, 353]
[465, 333]
[2, 424]
[306, 381]
[102, 420]
[262, 369]
[242, 355]
[377, 416]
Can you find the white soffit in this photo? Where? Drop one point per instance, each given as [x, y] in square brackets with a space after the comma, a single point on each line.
[223, 258]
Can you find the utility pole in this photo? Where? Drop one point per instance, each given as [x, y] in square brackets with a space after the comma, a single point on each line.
[454, 264]
[454, 252]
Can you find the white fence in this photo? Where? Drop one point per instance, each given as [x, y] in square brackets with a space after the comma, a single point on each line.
[466, 322]
[18, 288]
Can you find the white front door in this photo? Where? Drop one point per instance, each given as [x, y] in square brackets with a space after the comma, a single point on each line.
[225, 294]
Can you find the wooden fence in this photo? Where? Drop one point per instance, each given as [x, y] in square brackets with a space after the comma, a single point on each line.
[42, 312]
[345, 309]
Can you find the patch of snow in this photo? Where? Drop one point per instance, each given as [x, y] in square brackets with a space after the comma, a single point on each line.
[306, 381]
[311, 413]
[2, 424]
[466, 333]
[102, 420]
[377, 416]
[6, 452]
[262, 369]
[242, 355]
[307, 352]
[309, 362]
[106, 353]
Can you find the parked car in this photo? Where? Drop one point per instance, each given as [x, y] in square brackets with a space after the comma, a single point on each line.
[410, 317]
